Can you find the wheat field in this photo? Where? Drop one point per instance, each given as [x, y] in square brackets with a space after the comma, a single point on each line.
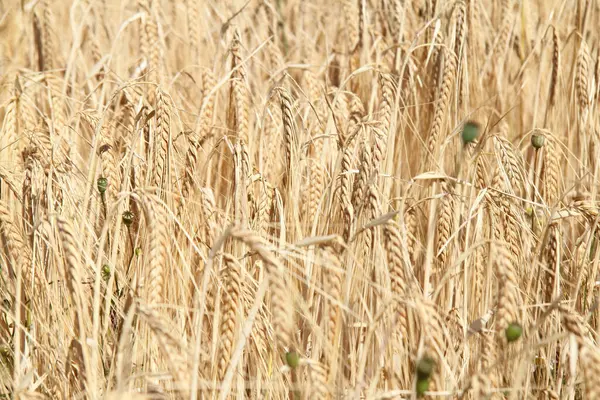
[299, 199]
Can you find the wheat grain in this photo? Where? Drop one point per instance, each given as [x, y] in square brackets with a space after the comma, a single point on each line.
[582, 77]
[359, 186]
[158, 244]
[162, 137]
[445, 84]
[444, 228]
[289, 134]
[553, 253]
[239, 91]
[508, 293]
[555, 68]
[230, 309]
[396, 266]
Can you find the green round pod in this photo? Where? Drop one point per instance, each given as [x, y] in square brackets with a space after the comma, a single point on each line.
[128, 218]
[138, 251]
[537, 141]
[425, 367]
[513, 332]
[422, 386]
[292, 359]
[102, 184]
[106, 272]
[470, 132]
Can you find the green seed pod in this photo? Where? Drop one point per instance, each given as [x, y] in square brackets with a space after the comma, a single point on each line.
[128, 218]
[292, 358]
[422, 386]
[470, 132]
[537, 141]
[425, 367]
[105, 272]
[102, 185]
[138, 251]
[513, 332]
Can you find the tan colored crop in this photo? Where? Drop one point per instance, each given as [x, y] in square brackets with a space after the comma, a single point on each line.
[296, 204]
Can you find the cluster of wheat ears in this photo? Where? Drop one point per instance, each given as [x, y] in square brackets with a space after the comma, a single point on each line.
[299, 199]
